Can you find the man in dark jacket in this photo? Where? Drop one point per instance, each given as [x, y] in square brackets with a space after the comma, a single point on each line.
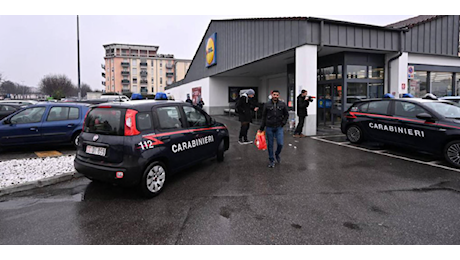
[274, 117]
[245, 106]
[188, 100]
[302, 103]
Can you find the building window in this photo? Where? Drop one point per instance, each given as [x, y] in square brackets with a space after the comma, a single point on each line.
[134, 80]
[161, 72]
[358, 90]
[339, 71]
[134, 88]
[112, 69]
[152, 80]
[418, 85]
[441, 83]
[134, 71]
[134, 62]
[457, 83]
[376, 72]
[356, 72]
[161, 64]
[113, 78]
[152, 89]
[151, 63]
[161, 80]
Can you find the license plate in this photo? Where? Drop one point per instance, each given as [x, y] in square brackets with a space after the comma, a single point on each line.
[95, 150]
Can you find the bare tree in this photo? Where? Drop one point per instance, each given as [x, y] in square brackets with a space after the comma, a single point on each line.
[9, 87]
[85, 88]
[57, 86]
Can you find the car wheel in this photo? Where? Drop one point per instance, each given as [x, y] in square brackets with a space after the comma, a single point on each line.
[153, 179]
[220, 152]
[75, 139]
[355, 134]
[452, 153]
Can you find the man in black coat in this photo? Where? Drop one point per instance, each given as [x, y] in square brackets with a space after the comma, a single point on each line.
[274, 116]
[245, 106]
[302, 103]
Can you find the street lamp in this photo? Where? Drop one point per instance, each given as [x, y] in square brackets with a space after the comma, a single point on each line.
[78, 53]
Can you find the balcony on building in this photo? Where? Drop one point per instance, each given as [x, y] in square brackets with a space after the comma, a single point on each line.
[103, 83]
[169, 74]
[169, 83]
[125, 64]
[126, 90]
[144, 90]
[143, 64]
[144, 73]
[169, 66]
[143, 81]
[103, 74]
[125, 81]
[125, 72]
[103, 66]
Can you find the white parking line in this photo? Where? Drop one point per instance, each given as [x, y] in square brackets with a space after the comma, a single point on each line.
[380, 152]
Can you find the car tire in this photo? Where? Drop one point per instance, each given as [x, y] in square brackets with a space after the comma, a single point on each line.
[75, 139]
[354, 134]
[452, 153]
[221, 152]
[153, 179]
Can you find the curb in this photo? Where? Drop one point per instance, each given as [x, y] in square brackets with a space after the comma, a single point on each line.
[40, 183]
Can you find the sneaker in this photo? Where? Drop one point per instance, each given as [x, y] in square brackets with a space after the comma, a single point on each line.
[271, 165]
[248, 142]
[302, 135]
[278, 159]
[296, 136]
[240, 141]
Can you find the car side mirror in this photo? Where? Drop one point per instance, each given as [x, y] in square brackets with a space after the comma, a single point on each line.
[7, 121]
[425, 116]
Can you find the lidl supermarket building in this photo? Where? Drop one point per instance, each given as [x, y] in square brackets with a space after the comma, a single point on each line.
[335, 61]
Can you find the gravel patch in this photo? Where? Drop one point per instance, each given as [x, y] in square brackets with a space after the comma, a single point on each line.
[21, 171]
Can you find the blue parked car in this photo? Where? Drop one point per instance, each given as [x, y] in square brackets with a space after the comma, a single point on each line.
[43, 123]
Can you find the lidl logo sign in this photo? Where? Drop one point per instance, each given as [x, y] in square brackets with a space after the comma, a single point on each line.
[211, 50]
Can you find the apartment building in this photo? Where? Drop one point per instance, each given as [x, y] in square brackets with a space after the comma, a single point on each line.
[132, 68]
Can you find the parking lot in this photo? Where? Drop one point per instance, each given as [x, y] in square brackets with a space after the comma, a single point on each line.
[325, 191]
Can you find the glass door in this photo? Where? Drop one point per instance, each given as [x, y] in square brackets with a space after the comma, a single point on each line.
[337, 101]
[324, 104]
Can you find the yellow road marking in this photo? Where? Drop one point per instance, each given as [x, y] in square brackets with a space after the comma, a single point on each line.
[48, 154]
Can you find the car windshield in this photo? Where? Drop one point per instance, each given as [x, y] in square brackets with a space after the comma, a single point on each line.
[449, 110]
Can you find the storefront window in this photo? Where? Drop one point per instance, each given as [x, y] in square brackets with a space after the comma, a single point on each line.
[418, 84]
[339, 71]
[375, 90]
[355, 92]
[441, 83]
[457, 83]
[375, 72]
[356, 72]
[326, 73]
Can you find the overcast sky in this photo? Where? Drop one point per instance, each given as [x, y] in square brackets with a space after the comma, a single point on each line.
[33, 46]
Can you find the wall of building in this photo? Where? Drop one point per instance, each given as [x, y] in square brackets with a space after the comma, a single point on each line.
[180, 93]
[306, 78]
[433, 60]
[439, 36]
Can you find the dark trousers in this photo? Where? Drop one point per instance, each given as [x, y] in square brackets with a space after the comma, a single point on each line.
[299, 128]
[244, 130]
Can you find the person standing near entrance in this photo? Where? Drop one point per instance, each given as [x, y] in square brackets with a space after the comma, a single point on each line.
[274, 116]
[188, 100]
[302, 103]
[245, 106]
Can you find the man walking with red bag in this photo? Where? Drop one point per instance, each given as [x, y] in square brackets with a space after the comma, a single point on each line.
[274, 116]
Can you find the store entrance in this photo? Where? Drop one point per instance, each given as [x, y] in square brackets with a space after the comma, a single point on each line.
[329, 104]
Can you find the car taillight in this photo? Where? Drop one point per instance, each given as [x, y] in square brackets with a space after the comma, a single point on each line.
[130, 123]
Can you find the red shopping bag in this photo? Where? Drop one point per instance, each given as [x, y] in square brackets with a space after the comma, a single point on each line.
[261, 143]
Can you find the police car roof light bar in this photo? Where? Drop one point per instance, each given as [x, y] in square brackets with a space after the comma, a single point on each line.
[388, 95]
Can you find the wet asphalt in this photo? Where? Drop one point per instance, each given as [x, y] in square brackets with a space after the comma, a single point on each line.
[321, 193]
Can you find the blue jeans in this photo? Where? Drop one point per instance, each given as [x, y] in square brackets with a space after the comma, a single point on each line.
[274, 132]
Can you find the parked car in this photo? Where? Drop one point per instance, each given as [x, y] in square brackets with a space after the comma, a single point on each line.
[8, 109]
[455, 99]
[144, 142]
[19, 102]
[120, 98]
[43, 123]
[422, 124]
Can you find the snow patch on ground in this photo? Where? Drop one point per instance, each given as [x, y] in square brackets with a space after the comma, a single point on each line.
[21, 171]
